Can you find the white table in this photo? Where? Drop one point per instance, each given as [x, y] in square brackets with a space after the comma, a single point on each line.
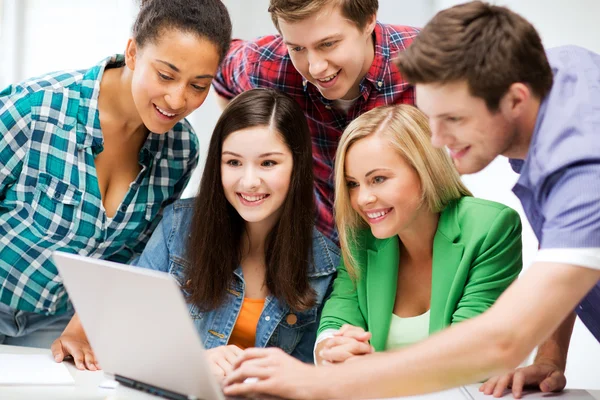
[87, 382]
[85, 388]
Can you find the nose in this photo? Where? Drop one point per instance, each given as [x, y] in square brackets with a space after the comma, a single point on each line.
[365, 197]
[250, 179]
[439, 135]
[317, 66]
[175, 98]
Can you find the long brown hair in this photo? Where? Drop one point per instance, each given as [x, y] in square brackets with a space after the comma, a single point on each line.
[215, 243]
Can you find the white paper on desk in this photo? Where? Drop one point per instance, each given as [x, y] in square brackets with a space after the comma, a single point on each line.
[568, 394]
[452, 394]
[33, 369]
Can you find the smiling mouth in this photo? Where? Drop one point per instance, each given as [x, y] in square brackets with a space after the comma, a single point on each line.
[163, 112]
[253, 199]
[329, 78]
[378, 214]
[458, 153]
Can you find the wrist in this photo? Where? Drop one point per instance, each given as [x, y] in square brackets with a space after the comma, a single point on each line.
[551, 361]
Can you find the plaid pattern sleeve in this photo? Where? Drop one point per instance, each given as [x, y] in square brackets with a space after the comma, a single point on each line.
[49, 194]
[15, 117]
[234, 76]
[265, 62]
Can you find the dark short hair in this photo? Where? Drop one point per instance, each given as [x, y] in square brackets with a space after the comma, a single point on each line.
[214, 247]
[357, 11]
[208, 19]
[489, 47]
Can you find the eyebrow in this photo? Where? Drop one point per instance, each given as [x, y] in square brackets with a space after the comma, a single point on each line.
[272, 153]
[325, 39]
[371, 172]
[368, 173]
[174, 68]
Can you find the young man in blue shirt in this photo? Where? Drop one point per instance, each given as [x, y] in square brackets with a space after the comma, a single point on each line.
[489, 88]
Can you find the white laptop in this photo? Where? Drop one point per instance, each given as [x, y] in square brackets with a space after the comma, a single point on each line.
[138, 325]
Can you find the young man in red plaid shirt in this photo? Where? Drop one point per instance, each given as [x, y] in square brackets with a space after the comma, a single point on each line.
[336, 61]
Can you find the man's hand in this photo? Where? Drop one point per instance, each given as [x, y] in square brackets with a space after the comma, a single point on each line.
[276, 373]
[543, 376]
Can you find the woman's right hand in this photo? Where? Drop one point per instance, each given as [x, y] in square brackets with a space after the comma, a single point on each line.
[74, 343]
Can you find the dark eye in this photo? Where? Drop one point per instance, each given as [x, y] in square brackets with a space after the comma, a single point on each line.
[453, 119]
[327, 44]
[199, 88]
[379, 179]
[351, 184]
[268, 163]
[234, 163]
[296, 49]
[165, 77]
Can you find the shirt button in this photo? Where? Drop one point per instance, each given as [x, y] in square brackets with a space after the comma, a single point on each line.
[57, 195]
[267, 318]
[291, 319]
[123, 208]
[380, 84]
[328, 107]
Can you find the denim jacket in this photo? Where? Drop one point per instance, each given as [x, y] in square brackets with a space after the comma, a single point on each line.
[293, 332]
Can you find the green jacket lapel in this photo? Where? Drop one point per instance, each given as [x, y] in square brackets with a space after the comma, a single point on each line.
[382, 280]
[446, 260]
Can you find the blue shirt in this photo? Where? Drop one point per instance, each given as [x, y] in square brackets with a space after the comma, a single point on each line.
[166, 251]
[50, 199]
[559, 185]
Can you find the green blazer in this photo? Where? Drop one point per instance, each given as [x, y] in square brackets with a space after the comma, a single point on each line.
[476, 256]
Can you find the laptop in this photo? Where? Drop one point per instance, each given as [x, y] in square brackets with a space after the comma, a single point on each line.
[138, 324]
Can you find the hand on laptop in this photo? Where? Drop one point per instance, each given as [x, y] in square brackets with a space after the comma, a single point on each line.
[273, 372]
[222, 358]
[73, 342]
[544, 376]
[348, 342]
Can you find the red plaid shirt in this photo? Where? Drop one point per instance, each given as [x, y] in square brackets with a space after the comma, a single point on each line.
[265, 62]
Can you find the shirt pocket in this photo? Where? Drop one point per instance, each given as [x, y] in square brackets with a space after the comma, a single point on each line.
[54, 206]
[292, 327]
[177, 269]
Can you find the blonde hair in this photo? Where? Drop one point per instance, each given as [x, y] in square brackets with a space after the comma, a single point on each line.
[407, 130]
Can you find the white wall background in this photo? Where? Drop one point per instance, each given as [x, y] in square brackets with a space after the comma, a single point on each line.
[37, 36]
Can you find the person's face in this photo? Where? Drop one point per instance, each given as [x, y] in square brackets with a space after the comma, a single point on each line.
[383, 188]
[462, 123]
[171, 77]
[256, 169]
[330, 51]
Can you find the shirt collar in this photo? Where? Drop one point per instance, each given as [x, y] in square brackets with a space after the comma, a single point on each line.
[88, 114]
[522, 166]
[379, 74]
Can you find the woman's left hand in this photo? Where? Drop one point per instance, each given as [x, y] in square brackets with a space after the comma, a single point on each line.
[350, 341]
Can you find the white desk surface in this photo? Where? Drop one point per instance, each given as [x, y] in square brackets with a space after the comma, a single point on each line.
[87, 382]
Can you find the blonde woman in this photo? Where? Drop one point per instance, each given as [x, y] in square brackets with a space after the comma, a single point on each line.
[419, 252]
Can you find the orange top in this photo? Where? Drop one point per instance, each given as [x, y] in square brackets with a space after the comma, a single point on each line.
[244, 331]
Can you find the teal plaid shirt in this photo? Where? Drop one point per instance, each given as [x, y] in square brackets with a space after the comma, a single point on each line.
[49, 194]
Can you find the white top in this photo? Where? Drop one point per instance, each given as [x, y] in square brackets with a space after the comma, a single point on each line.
[344, 105]
[405, 331]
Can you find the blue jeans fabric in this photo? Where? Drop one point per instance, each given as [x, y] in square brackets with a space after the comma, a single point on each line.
[21, 328]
